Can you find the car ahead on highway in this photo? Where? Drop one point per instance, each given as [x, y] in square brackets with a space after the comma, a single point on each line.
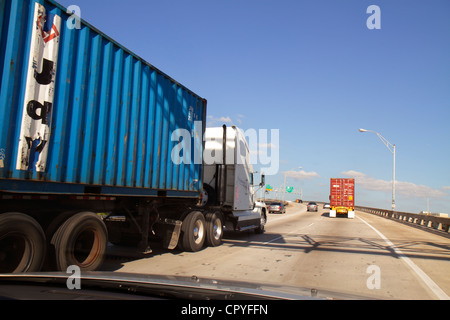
[277, 207]
[326, 206]
[312, 206]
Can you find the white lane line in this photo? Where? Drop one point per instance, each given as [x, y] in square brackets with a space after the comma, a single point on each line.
[281, 237]
[422, 275]
[278, 238]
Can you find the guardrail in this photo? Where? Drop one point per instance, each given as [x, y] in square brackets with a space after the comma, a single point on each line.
[427, 221]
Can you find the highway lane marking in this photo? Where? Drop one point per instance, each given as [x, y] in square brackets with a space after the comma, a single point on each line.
[422, 275]
[281, 237]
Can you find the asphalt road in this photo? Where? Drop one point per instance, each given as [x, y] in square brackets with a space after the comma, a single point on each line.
[368, 256]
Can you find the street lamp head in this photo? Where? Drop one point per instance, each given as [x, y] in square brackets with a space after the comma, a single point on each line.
[363, 130]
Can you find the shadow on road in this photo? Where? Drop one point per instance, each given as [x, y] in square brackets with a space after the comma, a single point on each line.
[289, 242]
[354, 245]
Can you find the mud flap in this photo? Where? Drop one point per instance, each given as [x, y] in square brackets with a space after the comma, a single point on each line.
[332, 213]
[171, 234]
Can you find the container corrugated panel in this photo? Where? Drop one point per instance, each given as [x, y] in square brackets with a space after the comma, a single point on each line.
[78, 109]
[342, 192]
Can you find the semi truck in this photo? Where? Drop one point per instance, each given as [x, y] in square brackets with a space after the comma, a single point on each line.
[342, 197]
[99, 147]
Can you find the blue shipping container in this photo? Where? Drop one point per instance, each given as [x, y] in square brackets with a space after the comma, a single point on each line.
[79, 113]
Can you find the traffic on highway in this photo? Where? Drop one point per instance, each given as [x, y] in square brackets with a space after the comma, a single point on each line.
[368, 257]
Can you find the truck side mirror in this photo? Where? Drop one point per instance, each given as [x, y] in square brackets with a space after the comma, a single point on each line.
[263, 180]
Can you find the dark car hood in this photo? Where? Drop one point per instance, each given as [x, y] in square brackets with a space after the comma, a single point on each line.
[138, 286]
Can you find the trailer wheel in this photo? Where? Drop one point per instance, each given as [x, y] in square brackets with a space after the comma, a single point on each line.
[214, 229]
[81, 241]
[22, 243]
[193, 232]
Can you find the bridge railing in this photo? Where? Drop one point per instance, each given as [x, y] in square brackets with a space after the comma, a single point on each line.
[427, 221]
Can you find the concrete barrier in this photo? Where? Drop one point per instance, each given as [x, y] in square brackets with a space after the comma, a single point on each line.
[427, 221]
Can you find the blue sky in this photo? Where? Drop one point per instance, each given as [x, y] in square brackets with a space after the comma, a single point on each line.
[313, 70]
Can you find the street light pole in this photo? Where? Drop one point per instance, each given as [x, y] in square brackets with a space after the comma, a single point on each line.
[391, 148]
[393, 181]
[284, 184]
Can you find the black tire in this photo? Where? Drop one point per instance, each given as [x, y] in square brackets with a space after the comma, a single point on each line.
[22, 243]
[214, 229]
[262, 223]
[193, 232]
[80, 241]
[56, 222]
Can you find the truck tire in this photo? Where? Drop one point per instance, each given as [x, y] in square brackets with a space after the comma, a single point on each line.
[80, 241]
[193, 232]
[22, 243]
[214, 229]
[56, 222]
[262, 223]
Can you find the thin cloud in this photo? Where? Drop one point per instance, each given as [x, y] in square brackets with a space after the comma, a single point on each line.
[263, 148]
[302, 175]
[407, 189]
[226, 120]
